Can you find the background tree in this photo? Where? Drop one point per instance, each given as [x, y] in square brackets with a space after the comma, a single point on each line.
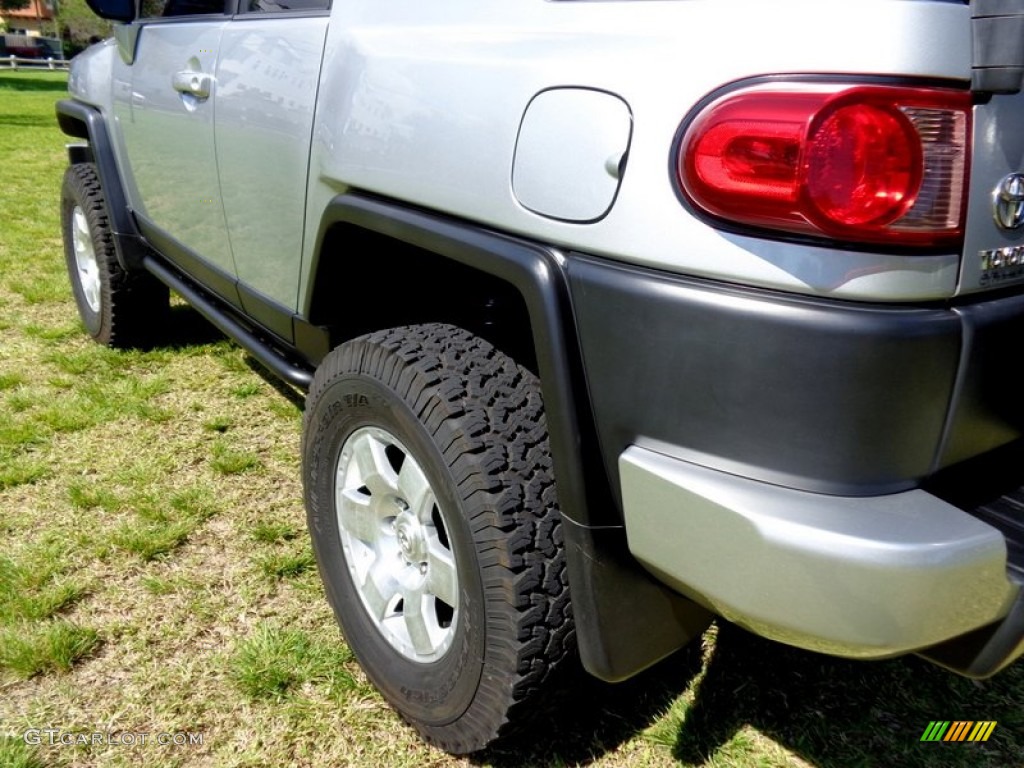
[13, 5]
[79, 24]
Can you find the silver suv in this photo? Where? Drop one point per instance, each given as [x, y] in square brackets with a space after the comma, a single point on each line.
[677, 308]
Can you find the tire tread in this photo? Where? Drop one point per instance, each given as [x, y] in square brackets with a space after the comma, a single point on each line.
[133, 305]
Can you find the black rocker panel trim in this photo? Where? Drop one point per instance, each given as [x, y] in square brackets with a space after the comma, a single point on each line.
[212, 278]
[625, 620]
[311, 341]
[266, 312]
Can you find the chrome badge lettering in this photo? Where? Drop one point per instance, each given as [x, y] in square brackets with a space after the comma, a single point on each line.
[1008, 202]
[997, 258]
[998, 264]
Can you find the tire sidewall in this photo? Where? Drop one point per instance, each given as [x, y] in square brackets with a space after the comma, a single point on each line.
[437, 693]
[74, 194]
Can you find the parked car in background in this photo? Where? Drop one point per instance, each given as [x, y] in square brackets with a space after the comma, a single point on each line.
[51, 47]
[31, 47]
[19, 45]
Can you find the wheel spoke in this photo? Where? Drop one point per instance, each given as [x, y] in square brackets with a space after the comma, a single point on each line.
[81, 224]
[442, 578]
[377, 590]
[375, 470]
[414, 487]
[416, 624]
[357, 516]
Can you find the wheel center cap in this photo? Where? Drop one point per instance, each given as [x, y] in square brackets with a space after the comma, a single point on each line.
[411, 541]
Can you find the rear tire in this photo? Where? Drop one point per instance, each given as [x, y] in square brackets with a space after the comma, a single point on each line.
[434, 520]
[118, 308]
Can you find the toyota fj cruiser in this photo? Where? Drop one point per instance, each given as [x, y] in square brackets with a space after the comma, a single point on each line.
[743, 281]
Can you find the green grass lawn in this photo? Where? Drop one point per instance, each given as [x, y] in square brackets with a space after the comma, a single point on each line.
[156, 577]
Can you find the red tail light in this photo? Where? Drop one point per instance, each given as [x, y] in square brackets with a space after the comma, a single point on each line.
[874, 164]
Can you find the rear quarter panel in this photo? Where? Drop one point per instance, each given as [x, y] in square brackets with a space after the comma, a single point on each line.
[423, 103]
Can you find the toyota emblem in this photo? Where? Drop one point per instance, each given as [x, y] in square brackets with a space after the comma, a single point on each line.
[1008, 202]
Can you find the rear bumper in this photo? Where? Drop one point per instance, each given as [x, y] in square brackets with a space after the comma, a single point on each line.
[863, 577]
[814, 394]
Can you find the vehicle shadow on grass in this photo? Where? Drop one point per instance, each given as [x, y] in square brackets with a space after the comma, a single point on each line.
[834, 712]
[589, 718]
[186, 328]
[830, 712]
[294, 396]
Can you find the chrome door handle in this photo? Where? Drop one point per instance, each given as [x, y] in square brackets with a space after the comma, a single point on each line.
[193, 83]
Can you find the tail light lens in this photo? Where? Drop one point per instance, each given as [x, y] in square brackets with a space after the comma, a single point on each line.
[872, 164]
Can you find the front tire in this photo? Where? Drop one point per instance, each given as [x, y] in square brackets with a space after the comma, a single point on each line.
[433, 515]
[118, 308]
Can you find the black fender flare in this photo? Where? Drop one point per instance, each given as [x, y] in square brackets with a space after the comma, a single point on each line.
[84, 121]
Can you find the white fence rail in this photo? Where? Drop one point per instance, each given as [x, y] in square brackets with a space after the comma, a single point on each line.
[17, 62]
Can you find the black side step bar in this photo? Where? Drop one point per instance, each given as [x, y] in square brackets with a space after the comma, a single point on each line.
[990, 488]
[1006, 514]
[212, 310]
